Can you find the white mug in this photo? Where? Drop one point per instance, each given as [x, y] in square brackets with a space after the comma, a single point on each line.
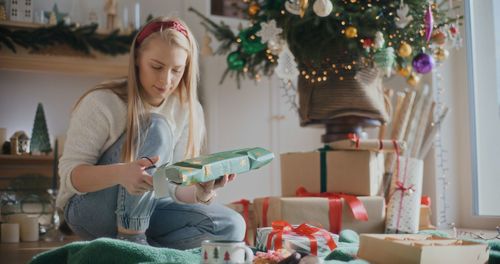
[225, 251]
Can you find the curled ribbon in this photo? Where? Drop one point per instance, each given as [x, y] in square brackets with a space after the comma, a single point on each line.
[282, 227]
[354, 137]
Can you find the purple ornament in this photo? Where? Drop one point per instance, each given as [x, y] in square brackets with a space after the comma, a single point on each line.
[423, 63]
[429, 23]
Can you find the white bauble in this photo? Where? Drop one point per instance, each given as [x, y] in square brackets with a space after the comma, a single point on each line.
[322, 8]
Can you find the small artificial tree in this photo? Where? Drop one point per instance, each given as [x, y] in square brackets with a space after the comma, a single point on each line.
[40, 142]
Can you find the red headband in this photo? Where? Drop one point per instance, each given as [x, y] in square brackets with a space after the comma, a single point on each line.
[157, 26]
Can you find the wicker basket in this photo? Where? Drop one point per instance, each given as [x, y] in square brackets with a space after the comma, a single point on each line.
[359, 94]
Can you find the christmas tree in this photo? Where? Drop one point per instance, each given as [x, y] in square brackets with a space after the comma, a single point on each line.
[329, 39]
[216, 253]
[40, 142]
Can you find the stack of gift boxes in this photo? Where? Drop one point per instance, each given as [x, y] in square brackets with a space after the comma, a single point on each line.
[328, 188]
[339, 186]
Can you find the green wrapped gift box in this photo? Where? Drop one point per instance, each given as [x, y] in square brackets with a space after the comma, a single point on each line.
[210, 167]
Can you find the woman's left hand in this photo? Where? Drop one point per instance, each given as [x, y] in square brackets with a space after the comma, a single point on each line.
[205, 191]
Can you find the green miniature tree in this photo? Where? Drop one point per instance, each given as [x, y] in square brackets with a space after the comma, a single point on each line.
[40, 142]
[216, 253]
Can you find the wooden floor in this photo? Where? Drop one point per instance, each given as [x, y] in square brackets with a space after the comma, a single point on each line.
[15, 253]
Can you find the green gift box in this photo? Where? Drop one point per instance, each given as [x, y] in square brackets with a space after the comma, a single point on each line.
[211, 167]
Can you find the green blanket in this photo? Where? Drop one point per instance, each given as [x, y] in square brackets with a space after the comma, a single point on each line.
[106, 250]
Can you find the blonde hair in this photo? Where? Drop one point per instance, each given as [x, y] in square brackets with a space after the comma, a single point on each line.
[130, 91]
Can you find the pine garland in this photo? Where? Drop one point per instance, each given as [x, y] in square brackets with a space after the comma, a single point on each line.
[80, 38]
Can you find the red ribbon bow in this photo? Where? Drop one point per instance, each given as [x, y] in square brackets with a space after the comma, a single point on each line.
[400, 187]
[282, 227]
[354, 137]
[335, 207]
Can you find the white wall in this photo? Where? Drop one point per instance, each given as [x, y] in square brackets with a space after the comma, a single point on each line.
[235, 118]
[20, 92]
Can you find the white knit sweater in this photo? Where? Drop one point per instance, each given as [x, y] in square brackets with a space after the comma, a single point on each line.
[99, 120]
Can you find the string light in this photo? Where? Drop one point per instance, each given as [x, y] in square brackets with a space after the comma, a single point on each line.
[441, 156]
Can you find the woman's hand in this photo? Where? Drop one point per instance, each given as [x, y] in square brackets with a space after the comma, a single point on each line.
[134, 178]
[205, 191]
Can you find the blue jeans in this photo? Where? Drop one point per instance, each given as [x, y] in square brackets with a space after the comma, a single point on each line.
[167, 224]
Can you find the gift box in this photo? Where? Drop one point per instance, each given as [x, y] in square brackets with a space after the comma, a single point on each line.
[323, 212]
[245, 208]
[302, 238]
[209, 167]
[422, 249]
[403, 209]
[425, 218]
[425, 214]
[353, 172]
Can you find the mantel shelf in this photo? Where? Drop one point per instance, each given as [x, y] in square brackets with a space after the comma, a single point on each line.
[60, 59]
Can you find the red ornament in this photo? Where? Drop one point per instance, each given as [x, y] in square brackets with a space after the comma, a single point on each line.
[227, 257]
[205, 255]
[367, 43]
[453, 30]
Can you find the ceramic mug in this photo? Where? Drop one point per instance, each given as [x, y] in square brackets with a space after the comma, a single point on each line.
[225, 251]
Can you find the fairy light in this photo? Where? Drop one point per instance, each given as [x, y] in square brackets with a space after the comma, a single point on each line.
[441, 157]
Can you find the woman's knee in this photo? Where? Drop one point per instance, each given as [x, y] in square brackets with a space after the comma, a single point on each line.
[158, 136]
[235, 226]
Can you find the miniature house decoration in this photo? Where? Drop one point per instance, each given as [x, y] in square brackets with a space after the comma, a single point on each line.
[21, 10]
[19, 143]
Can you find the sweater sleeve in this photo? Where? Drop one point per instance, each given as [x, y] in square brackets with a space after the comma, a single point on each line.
[89, 128]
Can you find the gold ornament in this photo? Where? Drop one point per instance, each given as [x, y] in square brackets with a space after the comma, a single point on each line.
[441, 54]
[303, 4]
[253, 9]
[351, 32]
[405, 71]
[404, 50]
[413, 80]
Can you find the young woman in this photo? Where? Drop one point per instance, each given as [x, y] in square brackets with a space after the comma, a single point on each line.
[121, 129]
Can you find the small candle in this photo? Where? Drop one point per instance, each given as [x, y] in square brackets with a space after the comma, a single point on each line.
[29, 229]
[10, 233]
[125, 17]
[55, 166]
[137, 13]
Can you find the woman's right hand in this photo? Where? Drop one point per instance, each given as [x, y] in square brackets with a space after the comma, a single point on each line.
[134, 177]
